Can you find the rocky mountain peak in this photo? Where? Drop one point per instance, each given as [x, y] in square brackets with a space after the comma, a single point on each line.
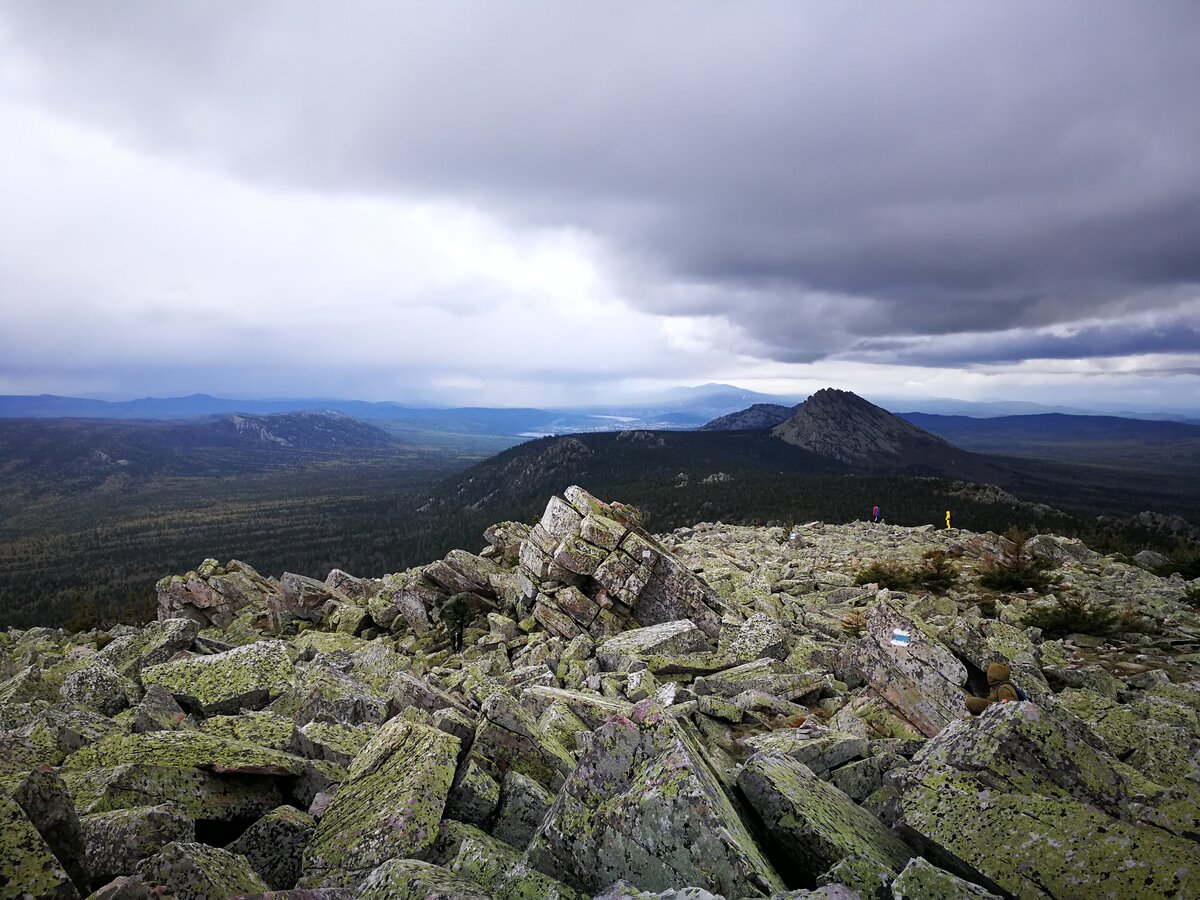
[844, 426]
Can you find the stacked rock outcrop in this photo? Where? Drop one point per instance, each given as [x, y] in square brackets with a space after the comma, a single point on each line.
[718, 712]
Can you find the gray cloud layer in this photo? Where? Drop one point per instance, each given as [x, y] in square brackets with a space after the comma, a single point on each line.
[827, 176]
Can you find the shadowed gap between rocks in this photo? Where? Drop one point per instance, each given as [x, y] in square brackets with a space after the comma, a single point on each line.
[795, 877]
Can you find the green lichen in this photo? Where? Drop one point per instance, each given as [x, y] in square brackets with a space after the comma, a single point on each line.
[1052, 845]
[184, 749]
[28, 868]
[262, 728]
[389, 806]
[223, 683]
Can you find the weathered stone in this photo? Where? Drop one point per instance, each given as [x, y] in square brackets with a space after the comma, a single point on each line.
[907, 666]
[185, 749]
[474, 796]
[213, 594]
[1009, 779]
[767, 675]
[191, 871]
[523, 807]
[387, 809]
[321, 692]
[922, 880]
[592, 709]
[667, 639]
[98, 685]
[407, 691]
[261, 728]
[117, 841]
[156, 711]
[508, 739]
[247, 677]
[28, 686]
[299, 597]
[501, 871]
[27, 863]
[273, 845]
[759, 637]
[201, 795]
[644, 805]
[412, 879]
[125, 887]
[813, 823]
[869, 879]
[333, 741]
[820, 752]
[46, 802]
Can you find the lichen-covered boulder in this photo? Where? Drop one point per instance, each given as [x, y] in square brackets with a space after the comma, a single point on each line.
[213, 594]
[191, 871]
[922, 880]
[820, 751]
[156, 711]
[186, 749]
[54, 733]
[332, 741]
[508, 739]
[770, 676]
[201, 794]
[1017, 748]
[501, 871]
[155, 643]
[1016, 779]
[321, 692]
[412, 879]
[812, 822]
[27, 686]
[47, 803]
[474, 797]
[117, 841]
[273, 845]
[644, 805]
[388, 808]
[98, 685]
[247, 677]
[27, 863]
[905, 664]
[259, 727]
[299, 597]
[523, 807]
[666, 639]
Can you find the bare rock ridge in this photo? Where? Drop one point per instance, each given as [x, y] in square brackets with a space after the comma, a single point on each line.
[844, 426]
[718, 712]
[760, 415]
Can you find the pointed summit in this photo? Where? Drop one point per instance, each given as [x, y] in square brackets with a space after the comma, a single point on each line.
[844, 426]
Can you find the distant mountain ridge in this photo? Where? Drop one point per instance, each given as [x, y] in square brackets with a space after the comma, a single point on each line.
[760, 415]
[50, 448]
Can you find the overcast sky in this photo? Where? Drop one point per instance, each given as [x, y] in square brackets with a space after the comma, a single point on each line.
[546, 203]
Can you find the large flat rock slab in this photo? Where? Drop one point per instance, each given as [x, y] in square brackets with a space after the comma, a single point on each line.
[247, 677]
[389, 807]
[907, 665]
[644, 805]
[813, 824]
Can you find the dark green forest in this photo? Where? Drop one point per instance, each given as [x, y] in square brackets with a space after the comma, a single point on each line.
[89, 549]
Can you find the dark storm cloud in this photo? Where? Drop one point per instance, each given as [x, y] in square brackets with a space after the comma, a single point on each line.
[1179, 336]
[820, 174]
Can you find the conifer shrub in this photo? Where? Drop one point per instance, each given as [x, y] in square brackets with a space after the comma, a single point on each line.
[1017, 570]
[1074, 615]
[933, 573]
[887, 574]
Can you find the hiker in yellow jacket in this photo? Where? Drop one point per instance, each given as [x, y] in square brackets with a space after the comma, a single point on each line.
[1001, 689]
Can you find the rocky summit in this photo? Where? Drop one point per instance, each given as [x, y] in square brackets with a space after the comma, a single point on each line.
[736, 712]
